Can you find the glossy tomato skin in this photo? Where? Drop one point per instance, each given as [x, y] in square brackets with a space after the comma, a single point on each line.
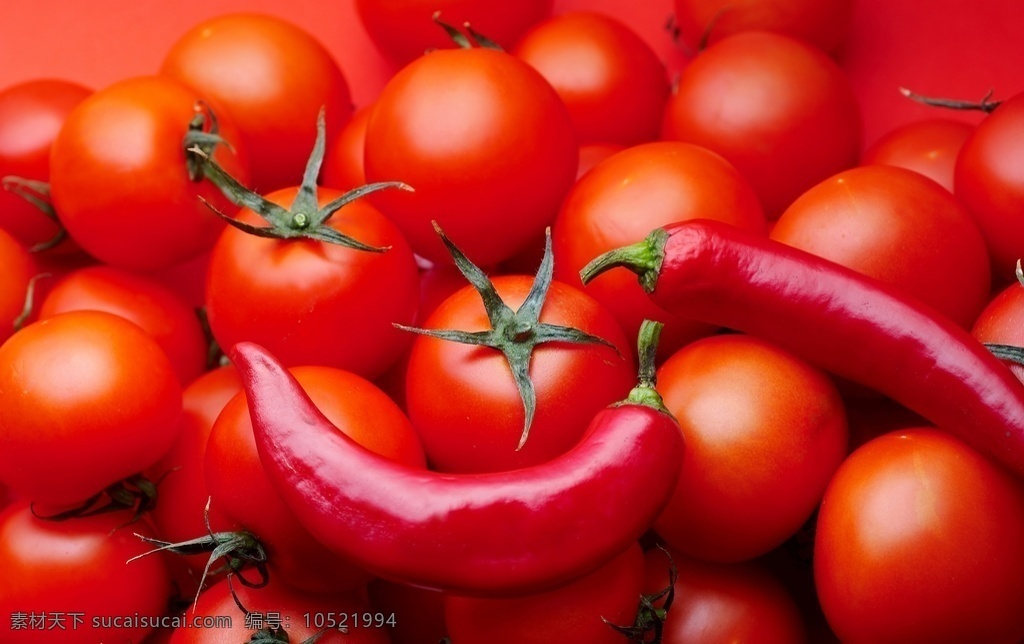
[463, 401]
[240, 489]
[344, 168]
[569, 613]
[929, 147]
[19, 267]
[87, 398]
[918, 539]
[611, 80]
[80, 566]
[899, 227]
[1002, 322]
[989, 180]
[119, 180]
[159, 312]
[764, 432]
[31, 114]
[778, 109]
[487, 145]
[628, 195]
[404, 30]
[272, 78]
[311, 302]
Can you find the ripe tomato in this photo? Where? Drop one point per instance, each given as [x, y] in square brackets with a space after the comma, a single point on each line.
[575, 612]
[929, 147]
[19, 268]
[343, 167]
[631, 193]
[899, 227]
[240, 489]
[989, 180]
[87, 399]
[271, 78]
[918, 539]
[611, 80]
[778, 109]
[822, 23]
[1002, 322]
[31, 113]
[485, 142]
[764, 432]
[404, 30]
[480, 432]
[61, 576]
[168, 320]
[119, 180]
[312, 302]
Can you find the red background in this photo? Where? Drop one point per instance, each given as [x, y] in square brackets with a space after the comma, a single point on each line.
[939, 47]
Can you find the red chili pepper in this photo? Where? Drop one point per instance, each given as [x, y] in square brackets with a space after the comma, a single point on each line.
[849, 324]
[500, 533]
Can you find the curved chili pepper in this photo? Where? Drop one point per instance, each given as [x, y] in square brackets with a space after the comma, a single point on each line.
[849, 324]
[502, 533]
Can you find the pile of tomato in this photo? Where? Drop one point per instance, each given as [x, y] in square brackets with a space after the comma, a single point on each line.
[276, 369]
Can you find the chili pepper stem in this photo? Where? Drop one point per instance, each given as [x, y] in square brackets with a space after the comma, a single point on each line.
[644, 258]
[647, 348]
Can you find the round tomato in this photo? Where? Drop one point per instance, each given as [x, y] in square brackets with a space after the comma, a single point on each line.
[1002, 322]
[624, 198]
[919, 540]
[485, 142]
[778, 109]
[272, 78]
[764, 432]
[66, 581]
[87, 399]
[899, 227]
[576, 612]
[119, 179]
[19, 268]
[929, 147]
[343, 164]
[611, 80]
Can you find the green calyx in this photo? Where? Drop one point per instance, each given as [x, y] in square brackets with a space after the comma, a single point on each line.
[645, 392]
[645, 258]
[136, 493]
[305, 218]
[468, 40]
[515, 333]
[37, 193]
[649, 625]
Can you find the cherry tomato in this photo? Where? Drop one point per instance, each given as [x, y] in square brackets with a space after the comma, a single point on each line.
[87, 399]
[610, 79]
[918, 540]
[119, 179]
[19, 268]
[631, 193]
[764, 432]
[929, 147]
[343, 165]
[575, 612]
[485, 142]
[404, 30]
[1002, 322]
[778, 109]
[272, 78]
[67, 581]
[899, 227]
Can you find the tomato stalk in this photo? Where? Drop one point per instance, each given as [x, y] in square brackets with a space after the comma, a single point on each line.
[474, 38]
[271, 633]
[37, 193]
[136, 493]
[986, 104]
[649, 625]
[515, 333]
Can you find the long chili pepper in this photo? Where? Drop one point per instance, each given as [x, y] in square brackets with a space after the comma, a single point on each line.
[500, 533]
[849, 324]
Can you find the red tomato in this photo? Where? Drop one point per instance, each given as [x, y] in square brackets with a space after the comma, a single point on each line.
[613, 83]
[822, 23]
[86, 400]
[919, 539]
[343, 164]
[19, 268]
[929, 147]
[69, 580]
[989, 180]
[1002, 322]
[463, 400]
[271, 78]
[779, 110]
[899, 227]
[593, 153]
[31, 113]
[404, 29]
[575, 612]
[119, 180]
[485, 142]
[764, 432]
[160, 313]
[631, 193]
[241, 490]
[311, 302]
[723, 602]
